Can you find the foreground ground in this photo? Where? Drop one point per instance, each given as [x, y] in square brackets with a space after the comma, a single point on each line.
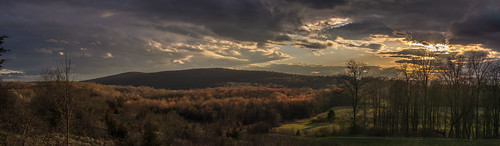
[315, 133]
[382, 141]
[240, 115]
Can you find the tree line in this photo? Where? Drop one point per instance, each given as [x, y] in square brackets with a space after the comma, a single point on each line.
[434, 94]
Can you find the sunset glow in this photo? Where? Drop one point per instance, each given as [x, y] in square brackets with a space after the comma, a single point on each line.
[291, 35]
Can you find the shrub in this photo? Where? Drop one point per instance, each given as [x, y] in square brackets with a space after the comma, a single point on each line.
[149, 136]
[259, 127]
[234, 133]
[115, 129]
[331, 116]
[6, 99]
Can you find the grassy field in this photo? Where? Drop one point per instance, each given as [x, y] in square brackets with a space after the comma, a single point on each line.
[308, 128]
[311, 133]
[343, 115]
[376, 141]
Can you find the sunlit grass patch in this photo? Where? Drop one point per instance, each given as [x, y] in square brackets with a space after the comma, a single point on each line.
[395, 141]
[306, 127]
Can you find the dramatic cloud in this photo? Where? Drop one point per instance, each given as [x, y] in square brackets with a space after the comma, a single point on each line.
[357, 30]
[481, 25]
[373, 47]
[409, 52]
[7, 72]
[432, 21]
[320, 4]
[313, 45]
[113, 36]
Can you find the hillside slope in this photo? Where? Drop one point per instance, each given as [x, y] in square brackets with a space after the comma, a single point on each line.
[213, 77]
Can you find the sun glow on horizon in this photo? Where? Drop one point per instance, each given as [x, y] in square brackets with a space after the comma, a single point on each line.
[432, 47]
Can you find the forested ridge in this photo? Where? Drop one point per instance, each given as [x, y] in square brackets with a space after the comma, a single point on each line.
[214, 77]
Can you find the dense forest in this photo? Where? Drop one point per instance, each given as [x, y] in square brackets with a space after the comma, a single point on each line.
[433, 96]
[42, 113]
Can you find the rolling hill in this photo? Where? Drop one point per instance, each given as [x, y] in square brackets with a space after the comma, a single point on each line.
[213, 77]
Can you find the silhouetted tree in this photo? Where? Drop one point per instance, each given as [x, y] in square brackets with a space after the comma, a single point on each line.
[407, 73]
[494, 99]
[453, 76]
[2, 49]
[149, 137]
[424, 66]
[58, 85]
[331, 116]
[6, 101]
[478, 64]
[353, 80]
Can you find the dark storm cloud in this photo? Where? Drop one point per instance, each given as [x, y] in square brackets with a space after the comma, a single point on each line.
[244, 20]
[247, 20]
[320, 4]
[480, 26]
[312, 45]
[38, 36]
[191, 31]
[260, 20]
[405, 52]
[282, 38]
[113, 36]
[417, 17]
[372, 46]
[358, 30]
[433, 21]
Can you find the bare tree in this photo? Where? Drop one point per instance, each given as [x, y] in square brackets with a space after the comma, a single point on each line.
[424, 66]
[2, 49]
[62, 76]
[406, 73]
[478, 65]
[453, 75]
[353, 81]
[67, 97]
[495, 97]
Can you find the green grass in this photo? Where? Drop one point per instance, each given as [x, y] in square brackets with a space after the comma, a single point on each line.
[308, 128]
[376, 141]
[309, 134]
[343, 115]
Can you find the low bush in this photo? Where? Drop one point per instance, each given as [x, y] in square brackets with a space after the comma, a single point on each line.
[259, 127]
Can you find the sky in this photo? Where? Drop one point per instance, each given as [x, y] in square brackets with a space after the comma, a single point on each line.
[312, 37]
